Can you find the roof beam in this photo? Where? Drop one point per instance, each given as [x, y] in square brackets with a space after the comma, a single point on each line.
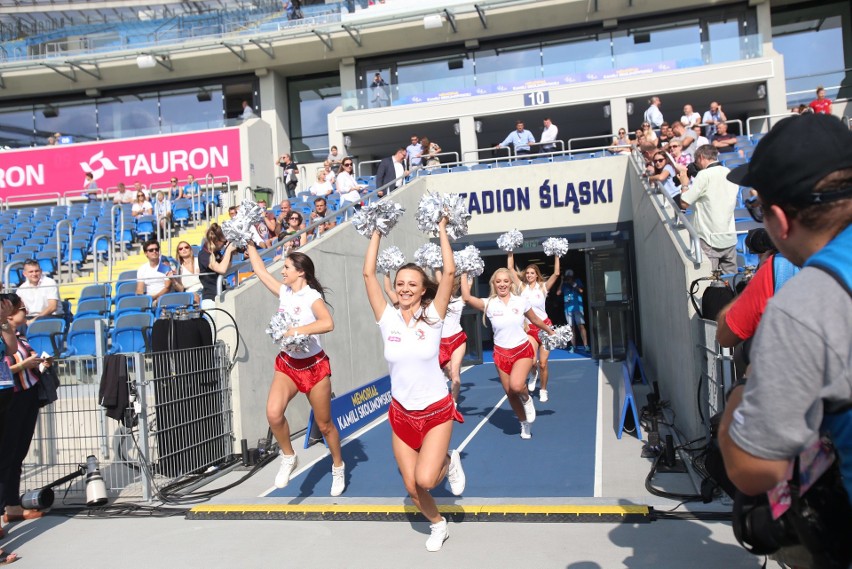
[354, 33]
[481, 11]
[325, 38]
[237, 50]
[264, 46]
[94, 72]
[71, 74]
[451, 19]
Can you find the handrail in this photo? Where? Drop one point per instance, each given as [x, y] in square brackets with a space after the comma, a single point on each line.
[638, 162]
[110, 259]
[121, 241]
[571, 141]
[557, 142]
[8, 271]
[5, 283]
[306, 151]
[59, 250]
[492, 149]
[421, 165]
[761, 117]
[35, 197]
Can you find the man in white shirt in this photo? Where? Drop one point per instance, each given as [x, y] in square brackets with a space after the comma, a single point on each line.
[653, 115]
[39, 293]
[713, 117]
[714, 199]
[153, 277]
[248, 112]
[690, 118]
[548, 136]
[414, 151]
[123, 195]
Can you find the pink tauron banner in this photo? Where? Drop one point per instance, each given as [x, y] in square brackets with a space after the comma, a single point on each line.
[58, 169]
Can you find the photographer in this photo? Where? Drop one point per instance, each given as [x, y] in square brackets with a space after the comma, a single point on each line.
[800, 385]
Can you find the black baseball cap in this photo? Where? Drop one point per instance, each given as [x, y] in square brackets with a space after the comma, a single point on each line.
[794, 156]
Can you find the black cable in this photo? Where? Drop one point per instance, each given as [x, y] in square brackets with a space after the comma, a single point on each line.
[662, 493]
[216, 332]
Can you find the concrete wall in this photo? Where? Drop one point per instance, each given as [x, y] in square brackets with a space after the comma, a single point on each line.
[257, 154]
[669, 325]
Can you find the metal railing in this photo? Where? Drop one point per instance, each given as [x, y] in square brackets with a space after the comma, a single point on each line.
[421, 165]
[767, 118]
[178, 422]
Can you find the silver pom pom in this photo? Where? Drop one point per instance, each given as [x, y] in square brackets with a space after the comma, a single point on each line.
[378, 216]
[555, 246]
[390, 259]
[429, 256]
[280, 323]
[510, 240]
[561, 337]
[433, 207]
[238, 229]
[469, 262]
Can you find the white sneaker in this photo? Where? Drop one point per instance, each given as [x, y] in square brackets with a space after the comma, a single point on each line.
[440, 533]
[529, 409]
[531, 379]
[526, 432]
[455, 474]
[338, 479]
[288, 465]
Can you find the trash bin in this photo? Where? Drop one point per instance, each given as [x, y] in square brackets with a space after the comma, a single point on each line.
[264, 194]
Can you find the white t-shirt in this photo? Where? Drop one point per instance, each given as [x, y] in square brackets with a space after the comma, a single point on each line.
[507, 320]
[298, 305]
[347, 187]
[412, 354]
[141, 208]
[36, 297]
[713, 199]
[153, 277]
[690, 120]
[322, 188]
[452, 321]
[536, 296]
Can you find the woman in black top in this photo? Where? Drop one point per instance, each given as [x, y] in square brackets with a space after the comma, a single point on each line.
[212, 262]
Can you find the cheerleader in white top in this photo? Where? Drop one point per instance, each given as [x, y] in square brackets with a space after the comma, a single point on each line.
[534, 288]
[422, 411]
[513, 352]
[303, 297]
[453, 338]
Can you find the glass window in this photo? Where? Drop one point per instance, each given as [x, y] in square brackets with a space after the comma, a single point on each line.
[77, 120]
[506, 65]
[585, 55]
[311, 100]
[425, 77]
[725, 43]
[128, 115]
[678, 46]
[16, 128]
[190, 109]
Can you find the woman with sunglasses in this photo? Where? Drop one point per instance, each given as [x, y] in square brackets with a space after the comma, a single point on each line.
[294, 225]
[620, 143]
[214, 259]
[303, 297]
[21, 417]
[189, 271]
[663, 172]
[141, 206]
[347, 186]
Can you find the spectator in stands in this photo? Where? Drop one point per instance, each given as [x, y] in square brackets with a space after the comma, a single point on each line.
[690, 118]
[330, 174]
[714, 200]
[175, 191]
[686, 137]
[260, 234]
[323, 186]
[653, 115]
[8, 347]
[188, 281]
[269, 219]
[712, 117]
[320, 209]
[549, 134]
[283, 213]
[248, 112]
[430, 153]
[335, 157]
[138, 187]
[90, 187]
[414, 153]
[519, 139]
[723, 140]
[295, 223]
[123, 195]
[347, 186]
[21, 417]
[663, 172]
[141, 206]
[675, 148]
[700, 139]
[380, 96]
[649, 134]
[638, 138]
[289, 171]
[665, 135]
[163, 212]
[191, 189]
[214, 259]
[51, 141]
[154, 276]
[620, 143]
[390, 169]
[820, 105]
[232, 212]
[40, 293]
[325, 226]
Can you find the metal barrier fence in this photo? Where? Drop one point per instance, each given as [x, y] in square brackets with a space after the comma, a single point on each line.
[718, 371]
[179, 421]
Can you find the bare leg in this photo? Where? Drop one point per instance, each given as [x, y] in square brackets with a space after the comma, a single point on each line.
[281, 392]
[453, 370]
[583, 334]
[427, 467]
[515, 386]
[543, 356]
[320, 399]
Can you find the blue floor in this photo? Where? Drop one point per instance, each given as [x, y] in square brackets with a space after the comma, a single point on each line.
[558, 461]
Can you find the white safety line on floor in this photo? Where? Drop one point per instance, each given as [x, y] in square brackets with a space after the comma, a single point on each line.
[599, 438]
[481, 424]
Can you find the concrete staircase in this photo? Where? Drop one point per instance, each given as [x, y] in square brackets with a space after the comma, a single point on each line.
[71, 291]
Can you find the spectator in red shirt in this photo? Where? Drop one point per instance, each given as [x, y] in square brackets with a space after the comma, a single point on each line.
[821, 104]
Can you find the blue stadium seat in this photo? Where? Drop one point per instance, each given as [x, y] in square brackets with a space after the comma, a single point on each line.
[133, 305]
[124, 289]
[93, 307]
[95, 291]
[132, 333]
[82, 338]
[47, 335]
